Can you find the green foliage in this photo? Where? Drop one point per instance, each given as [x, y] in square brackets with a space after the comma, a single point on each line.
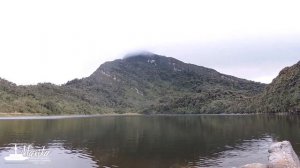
[154, 84]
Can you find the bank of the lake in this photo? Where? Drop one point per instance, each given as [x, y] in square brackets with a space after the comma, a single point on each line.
[15, 116]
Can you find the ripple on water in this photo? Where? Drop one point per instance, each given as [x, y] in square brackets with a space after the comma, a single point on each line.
[234, 156]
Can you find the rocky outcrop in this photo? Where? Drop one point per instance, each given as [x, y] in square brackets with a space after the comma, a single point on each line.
[281, 155]
[255, 165]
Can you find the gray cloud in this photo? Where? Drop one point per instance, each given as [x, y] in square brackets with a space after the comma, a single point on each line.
[258, 59]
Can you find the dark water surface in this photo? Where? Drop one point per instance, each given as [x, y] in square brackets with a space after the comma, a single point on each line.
[149, 141]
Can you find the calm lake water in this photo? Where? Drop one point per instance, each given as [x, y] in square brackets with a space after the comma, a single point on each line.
[149, 141]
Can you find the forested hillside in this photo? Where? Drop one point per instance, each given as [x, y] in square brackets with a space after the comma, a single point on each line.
[151, 84]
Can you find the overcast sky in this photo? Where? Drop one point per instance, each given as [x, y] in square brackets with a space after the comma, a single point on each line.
[59, 40]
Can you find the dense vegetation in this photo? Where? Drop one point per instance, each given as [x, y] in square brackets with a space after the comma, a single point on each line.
[283, 94]
[149, 83]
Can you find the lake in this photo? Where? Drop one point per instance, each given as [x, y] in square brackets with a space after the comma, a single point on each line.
[148, 141]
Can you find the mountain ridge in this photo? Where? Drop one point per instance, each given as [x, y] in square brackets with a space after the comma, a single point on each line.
[283, 94]
[153, 76]
[139, 83]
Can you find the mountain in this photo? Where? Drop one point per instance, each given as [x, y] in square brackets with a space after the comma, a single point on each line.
[43, 98]
[150, 83]
[283, 94]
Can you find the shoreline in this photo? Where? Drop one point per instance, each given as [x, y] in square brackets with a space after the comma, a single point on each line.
[30, 116]
[21, 116]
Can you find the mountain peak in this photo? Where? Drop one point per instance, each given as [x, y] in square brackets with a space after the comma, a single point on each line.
[140, 82]
[145, 54]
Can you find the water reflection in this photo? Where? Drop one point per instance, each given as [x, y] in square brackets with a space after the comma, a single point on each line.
[151, 141]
